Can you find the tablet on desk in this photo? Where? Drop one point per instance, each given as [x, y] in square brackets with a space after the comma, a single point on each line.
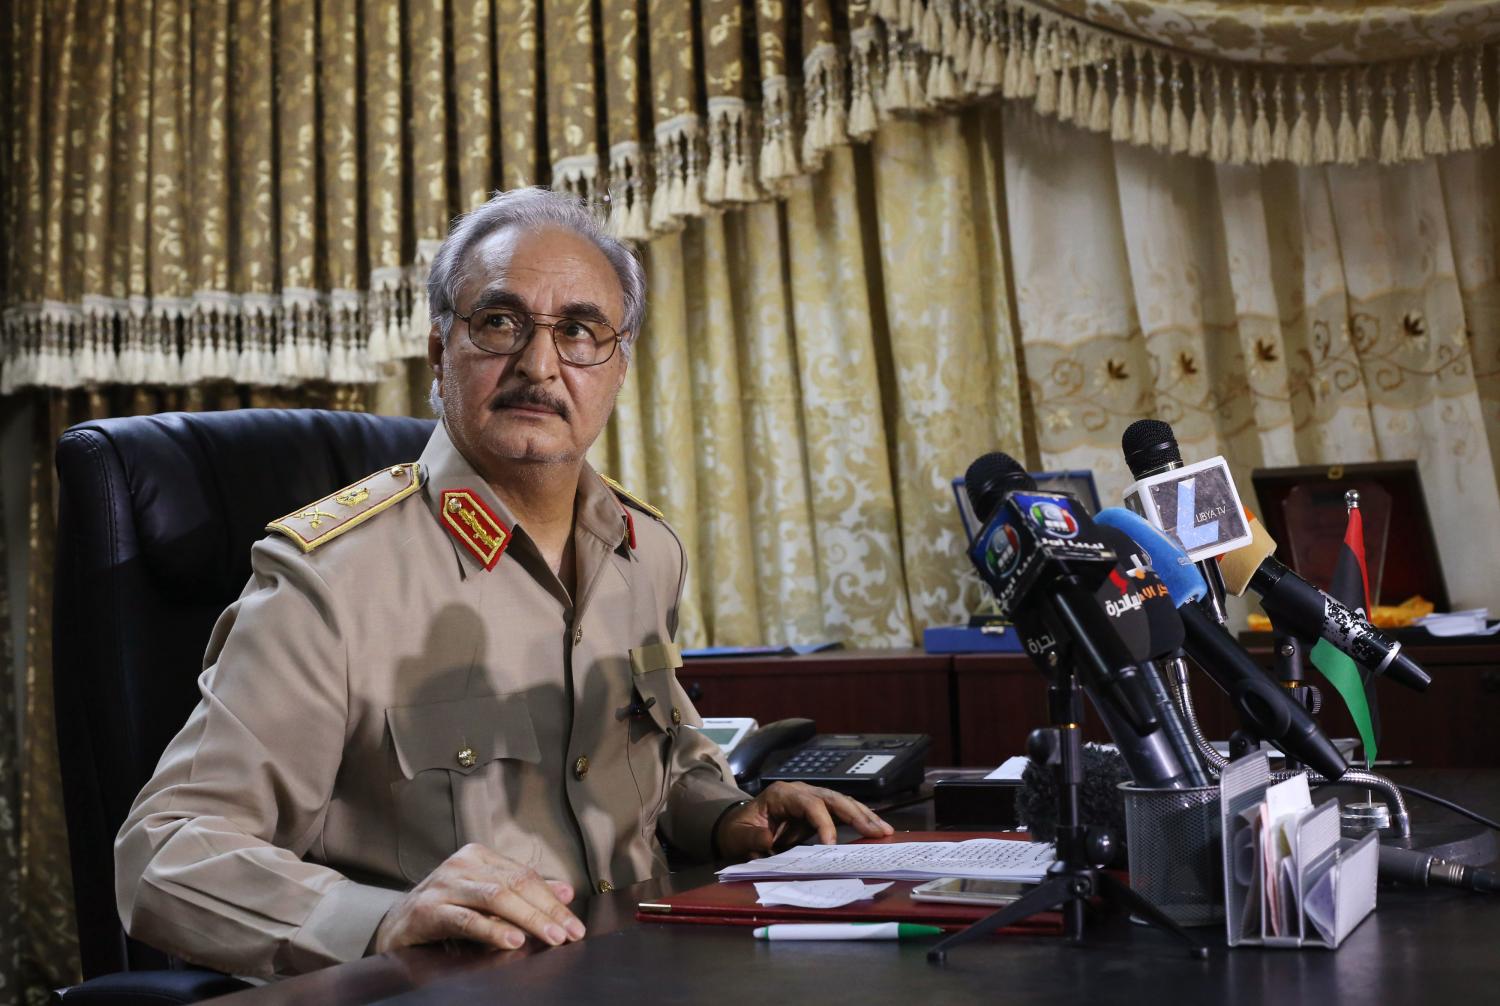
[958, 891]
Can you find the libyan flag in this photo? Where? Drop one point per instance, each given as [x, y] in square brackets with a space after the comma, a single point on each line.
[1351, 585]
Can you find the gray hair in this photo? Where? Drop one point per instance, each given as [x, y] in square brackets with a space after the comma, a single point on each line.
[532, 209]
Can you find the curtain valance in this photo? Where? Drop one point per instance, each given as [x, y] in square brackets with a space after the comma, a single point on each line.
[253, 190]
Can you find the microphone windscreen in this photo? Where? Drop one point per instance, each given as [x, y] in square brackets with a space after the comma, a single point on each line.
[989, 478]
[1168, 561]
[1149, 444]
[1100, 801]
[1239, 566]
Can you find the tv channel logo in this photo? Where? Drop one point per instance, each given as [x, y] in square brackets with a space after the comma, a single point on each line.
[1053, 519]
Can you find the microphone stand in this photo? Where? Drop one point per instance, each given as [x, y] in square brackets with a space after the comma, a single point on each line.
[1177, 682]
[1287, 649]
[1289, 668]
[1075, 877]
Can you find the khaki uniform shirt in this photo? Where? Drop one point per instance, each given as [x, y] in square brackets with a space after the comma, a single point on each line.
[374, 703]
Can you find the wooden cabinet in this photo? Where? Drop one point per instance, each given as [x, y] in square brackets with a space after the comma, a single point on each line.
[844, 691]
[1453, 724]
[979, 708]
[999, 700]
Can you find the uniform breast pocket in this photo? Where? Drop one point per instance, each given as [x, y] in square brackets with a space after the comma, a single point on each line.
[653, 734]
[446, 752]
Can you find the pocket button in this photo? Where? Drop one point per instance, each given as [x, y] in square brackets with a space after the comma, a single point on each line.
[581, 766]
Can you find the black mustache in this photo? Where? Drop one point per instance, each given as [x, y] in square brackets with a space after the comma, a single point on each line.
[527, 395]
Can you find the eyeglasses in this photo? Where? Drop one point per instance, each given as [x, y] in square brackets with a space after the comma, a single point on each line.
[505, 331]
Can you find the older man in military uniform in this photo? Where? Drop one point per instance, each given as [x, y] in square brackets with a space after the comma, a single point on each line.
[446, 701]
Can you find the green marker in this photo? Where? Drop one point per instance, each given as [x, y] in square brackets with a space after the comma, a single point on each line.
[846, 931]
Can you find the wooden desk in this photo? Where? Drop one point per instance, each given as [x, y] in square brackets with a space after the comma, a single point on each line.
[1420, 946]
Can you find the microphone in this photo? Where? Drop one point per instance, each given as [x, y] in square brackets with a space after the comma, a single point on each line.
[1293, 601]
[1263, 706]
[1140, 607]
[1043, 559]
[1197, 504]
[1423, 869]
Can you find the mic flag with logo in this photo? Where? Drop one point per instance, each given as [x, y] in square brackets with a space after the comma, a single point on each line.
[1351, 585]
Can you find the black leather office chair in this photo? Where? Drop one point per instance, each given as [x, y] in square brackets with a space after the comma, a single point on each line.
[156, 518]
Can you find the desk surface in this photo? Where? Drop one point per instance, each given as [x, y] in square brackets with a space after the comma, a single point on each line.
[1427, 945]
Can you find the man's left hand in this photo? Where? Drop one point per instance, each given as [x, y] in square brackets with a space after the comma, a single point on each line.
[787, 813]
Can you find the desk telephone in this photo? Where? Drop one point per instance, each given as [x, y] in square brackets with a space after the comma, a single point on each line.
[862, 765]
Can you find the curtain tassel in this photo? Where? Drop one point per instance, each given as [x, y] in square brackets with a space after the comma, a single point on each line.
[1140, 118]
[1119, 119]
[1324, 151]
[1460, 136]
[931, 36]
[1218, 125]
[1260, 130]
[1161, 126]
[1067, 96]
[1347, 132]
[958, 47]
[1434, 136]
[1300, 149]
[862, 118]
[1178, 132]
[1239, 132]
[1046, 93]
[1198, 129]
[1099, 107]
[714, 179]
[1411, 133]
[1484, 126]
[1026, 67]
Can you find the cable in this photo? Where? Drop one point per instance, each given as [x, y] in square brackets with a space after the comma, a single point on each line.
[1441, 802]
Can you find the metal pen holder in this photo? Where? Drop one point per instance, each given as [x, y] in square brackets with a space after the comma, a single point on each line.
[1174, 838]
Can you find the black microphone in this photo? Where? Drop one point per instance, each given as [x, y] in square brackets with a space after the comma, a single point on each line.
[1423, 869]
[1292, 601]
[1150, 448]
[1043, 559]
[1141, 609]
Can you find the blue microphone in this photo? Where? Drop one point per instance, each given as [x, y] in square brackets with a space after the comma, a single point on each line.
[1262, 706]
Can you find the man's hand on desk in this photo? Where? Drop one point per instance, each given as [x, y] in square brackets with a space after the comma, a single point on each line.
[477, 894]
[787, 813]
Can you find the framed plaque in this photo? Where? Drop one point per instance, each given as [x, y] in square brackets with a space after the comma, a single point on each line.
[1303, 509]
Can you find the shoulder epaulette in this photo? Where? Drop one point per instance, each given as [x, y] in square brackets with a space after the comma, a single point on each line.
[321, 522]
[629, 497]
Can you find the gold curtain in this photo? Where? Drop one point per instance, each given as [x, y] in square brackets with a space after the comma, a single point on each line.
[208, 192]
[813, 374]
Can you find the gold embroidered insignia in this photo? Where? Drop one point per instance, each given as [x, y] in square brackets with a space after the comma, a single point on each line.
[632, 498]
[474, 525]
[312, 525]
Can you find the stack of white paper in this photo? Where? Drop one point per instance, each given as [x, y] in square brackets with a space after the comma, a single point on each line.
[975, 859]
[1473, 622]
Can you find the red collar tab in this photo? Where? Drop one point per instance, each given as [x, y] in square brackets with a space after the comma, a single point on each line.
[629, 527]
[474, 525]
